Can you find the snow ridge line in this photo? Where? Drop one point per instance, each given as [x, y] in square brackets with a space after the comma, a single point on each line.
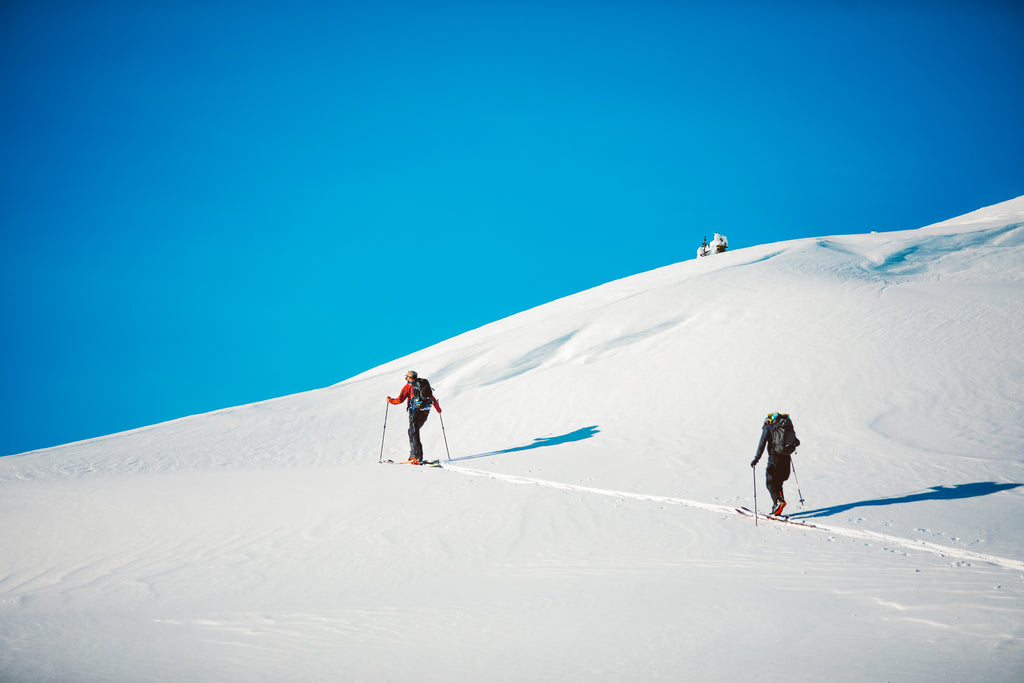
[862, 534]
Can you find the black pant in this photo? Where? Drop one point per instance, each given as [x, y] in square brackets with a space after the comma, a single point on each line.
[416, 420]
[776, 473]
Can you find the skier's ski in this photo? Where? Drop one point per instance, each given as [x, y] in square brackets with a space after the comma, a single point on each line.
[747, 512]
[425, 463]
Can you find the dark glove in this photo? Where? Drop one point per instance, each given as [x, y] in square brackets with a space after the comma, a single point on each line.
[753, 463]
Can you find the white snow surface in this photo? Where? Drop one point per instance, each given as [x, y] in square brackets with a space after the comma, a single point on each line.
[584, 528]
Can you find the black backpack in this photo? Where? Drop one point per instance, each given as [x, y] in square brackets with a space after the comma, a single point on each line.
[422, 395]
[784, 440]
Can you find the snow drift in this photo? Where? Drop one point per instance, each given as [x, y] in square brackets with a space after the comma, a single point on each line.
[585, 525]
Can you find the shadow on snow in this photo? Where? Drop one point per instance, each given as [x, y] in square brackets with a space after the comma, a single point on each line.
[981, 488]
[578, 435]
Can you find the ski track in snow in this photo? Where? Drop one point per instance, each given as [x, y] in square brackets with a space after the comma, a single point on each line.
[941, 550]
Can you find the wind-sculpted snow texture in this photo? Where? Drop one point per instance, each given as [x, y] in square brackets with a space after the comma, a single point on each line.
[585, 527]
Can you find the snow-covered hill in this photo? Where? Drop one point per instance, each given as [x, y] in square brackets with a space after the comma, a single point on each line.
[584, 527]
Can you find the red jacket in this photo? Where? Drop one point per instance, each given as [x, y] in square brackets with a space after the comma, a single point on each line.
[407, 394]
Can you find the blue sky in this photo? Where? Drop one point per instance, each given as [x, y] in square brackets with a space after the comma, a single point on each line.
[207, 204]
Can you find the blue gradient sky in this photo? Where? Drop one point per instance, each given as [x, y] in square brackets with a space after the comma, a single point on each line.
[206, 204]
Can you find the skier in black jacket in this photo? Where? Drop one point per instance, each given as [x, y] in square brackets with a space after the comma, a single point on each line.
[780, 447]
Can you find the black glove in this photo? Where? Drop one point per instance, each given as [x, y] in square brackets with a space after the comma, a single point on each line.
[753, 463]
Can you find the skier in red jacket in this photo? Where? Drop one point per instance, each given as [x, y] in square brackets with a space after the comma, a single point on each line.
[418, 393]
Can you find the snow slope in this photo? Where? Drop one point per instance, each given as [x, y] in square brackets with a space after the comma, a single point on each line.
[584, 528]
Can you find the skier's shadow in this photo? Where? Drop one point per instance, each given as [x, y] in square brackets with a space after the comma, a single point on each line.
[955, 492]
[578, 435]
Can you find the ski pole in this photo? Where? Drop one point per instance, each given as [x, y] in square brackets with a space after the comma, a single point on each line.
[441, 417]
[386, 406]
[792, 466]
[754, 473]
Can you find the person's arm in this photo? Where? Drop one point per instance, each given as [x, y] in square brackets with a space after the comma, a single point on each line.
[765, 431]
[402, 397]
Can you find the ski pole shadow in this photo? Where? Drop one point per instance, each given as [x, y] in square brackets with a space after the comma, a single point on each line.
[541, 442]
[955, 492]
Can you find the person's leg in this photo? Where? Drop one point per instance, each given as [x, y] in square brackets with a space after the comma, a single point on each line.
[769, 481]
[773, 482]
[416, 421]
[783, 469]
[415, 447]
